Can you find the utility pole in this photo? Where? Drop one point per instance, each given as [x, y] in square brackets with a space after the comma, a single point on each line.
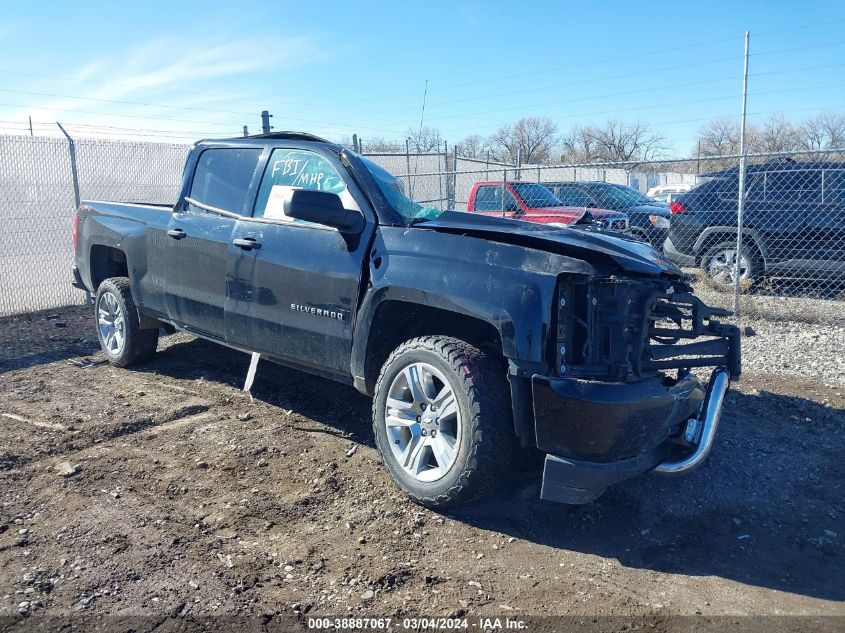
[355, 144]
[30, 126]
[742, 167]
[246, 131]
[265, 122]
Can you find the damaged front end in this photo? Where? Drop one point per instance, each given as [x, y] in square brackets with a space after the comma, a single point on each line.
[623, 398]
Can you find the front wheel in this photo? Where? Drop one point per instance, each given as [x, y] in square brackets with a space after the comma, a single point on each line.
[442, 419]
[118, 325]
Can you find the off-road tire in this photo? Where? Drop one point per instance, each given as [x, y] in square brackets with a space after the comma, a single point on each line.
[139, 344]
[479, 381]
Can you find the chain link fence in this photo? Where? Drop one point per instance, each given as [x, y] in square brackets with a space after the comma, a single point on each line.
[789, 230]
[38, 200]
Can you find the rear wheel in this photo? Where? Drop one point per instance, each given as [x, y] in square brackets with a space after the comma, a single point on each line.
[442, 419]
[719, 264]
[118, 325]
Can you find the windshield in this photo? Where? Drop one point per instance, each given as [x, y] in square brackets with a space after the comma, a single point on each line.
[394, 190]
[640, 197]
[611, 197]
[535, 195]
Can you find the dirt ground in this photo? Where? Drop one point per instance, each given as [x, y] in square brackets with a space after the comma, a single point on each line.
[166, 491]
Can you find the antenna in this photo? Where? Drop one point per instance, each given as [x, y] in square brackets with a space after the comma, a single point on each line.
[422, 114]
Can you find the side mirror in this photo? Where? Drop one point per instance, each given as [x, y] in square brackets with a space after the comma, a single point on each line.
[322, 207]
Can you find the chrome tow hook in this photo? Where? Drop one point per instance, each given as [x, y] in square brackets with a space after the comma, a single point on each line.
[703, 426]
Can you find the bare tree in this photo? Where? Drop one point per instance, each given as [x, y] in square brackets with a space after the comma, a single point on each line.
[777, 135]
[474, 146]
[531, 138]
[618, 141]
[426, 139]
[613, 142]
[823, 131]
[721, 137]
[381, 146]
[579, 144]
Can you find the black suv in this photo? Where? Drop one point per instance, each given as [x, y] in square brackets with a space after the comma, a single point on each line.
[793, 223]
[647, 220]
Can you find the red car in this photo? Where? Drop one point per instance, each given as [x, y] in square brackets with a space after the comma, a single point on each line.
[532, 202]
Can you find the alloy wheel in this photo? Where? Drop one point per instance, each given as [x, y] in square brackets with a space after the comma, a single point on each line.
[722, 267]
[111, 323]
[423, 422]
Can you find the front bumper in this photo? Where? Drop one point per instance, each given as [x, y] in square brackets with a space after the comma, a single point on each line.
[597, 434]
[676, 256]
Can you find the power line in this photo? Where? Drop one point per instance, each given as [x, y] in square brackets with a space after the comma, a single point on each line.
[590, 97]
[567, 67]
[558, 102]
[798, 28]
[179, 120]
[585, 81]
[678, 103]
[798, 48]
[120, 101]
[650, 89]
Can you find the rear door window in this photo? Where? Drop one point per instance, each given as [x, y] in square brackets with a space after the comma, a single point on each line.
[793, 186]
[222, 177]
[755, 187]
[834, 188]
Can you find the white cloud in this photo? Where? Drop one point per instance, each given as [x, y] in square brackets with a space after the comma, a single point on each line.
[163, 71]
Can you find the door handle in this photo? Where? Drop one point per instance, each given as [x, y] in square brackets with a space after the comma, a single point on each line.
[247, 243]
[177, 234]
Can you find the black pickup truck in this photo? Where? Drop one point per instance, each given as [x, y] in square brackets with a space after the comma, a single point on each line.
[474, 335]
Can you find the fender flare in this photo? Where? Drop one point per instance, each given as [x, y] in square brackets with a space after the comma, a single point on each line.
[730, 232]
[496, 316]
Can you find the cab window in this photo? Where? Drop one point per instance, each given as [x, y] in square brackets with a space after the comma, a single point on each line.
[222, 177]
[291, 169]
[489, 198]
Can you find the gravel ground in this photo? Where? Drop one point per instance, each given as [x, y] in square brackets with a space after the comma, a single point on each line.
[787, 348]
[166, 491]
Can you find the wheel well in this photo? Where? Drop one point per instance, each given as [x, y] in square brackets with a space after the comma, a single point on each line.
[106, 262]
[396, 322]
[715, 238]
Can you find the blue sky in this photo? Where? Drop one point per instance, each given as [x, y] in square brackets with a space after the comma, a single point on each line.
[184, 70]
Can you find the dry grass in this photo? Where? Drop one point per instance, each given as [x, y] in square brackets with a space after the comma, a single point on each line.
[766, 300]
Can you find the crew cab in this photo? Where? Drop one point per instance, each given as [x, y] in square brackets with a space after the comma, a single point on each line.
[534, 202]
[474, 335]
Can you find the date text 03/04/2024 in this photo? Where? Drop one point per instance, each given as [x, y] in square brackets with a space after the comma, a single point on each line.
[417, 624]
